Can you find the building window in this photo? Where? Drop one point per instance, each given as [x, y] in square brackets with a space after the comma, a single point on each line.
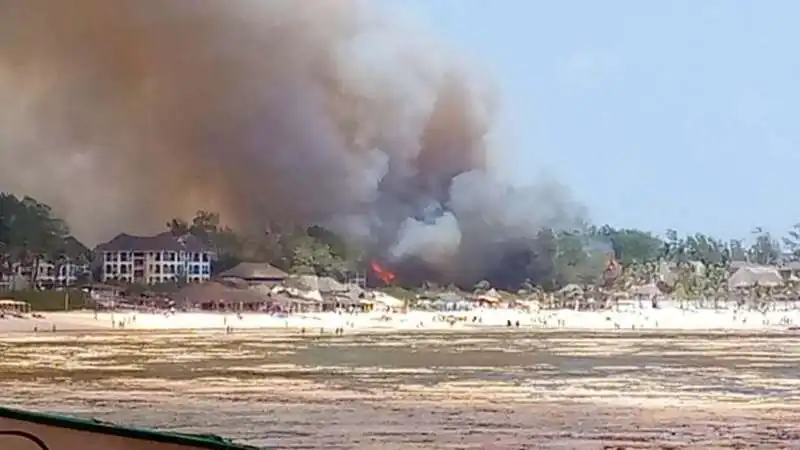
[158, 256]
[205, 257]
[123, 269]
[123, 256]
[110, 256]
[206, 269]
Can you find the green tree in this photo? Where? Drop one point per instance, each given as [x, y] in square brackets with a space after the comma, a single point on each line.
[574, 262]
[704, 248]
[30, 233]
[544, 259]
[633, 246]
[736, 250]
[792, 241]
[207, 227]
[296, 249]
[312, 253]
[765, 250]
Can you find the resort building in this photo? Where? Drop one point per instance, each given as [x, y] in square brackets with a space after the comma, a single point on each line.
[50, 274]
[154, 259]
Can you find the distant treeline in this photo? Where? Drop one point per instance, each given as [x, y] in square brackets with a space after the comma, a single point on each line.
[29, 231]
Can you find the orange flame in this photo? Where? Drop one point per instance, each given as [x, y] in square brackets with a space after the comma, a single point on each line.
[385, 275]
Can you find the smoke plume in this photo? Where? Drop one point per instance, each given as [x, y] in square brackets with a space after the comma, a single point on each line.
[124, 113]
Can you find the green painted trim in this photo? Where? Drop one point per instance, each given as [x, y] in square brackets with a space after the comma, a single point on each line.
[204, 441]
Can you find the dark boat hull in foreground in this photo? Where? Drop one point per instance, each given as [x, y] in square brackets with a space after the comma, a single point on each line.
[25, 430]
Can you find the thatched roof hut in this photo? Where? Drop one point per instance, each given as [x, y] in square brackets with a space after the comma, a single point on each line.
[255, 273]
[571, 291]
[217, 293]
[750, 276]
[325, 285]
[646, 290]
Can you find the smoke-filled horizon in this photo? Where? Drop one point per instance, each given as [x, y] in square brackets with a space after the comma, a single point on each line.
[124, 113]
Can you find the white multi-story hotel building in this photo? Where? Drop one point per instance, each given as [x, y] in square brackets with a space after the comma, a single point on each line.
[50, 274]
[154, 259]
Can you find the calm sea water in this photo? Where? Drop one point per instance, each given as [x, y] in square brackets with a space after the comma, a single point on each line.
[498, 390]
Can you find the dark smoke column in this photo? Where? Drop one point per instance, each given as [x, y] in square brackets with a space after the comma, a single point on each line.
[320, 112]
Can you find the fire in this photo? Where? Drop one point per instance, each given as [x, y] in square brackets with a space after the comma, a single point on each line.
[386, 275]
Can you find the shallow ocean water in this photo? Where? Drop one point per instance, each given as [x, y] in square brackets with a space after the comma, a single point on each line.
[494, 390]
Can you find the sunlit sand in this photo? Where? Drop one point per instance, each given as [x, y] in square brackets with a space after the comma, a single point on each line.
[664, 319]
[499, 389]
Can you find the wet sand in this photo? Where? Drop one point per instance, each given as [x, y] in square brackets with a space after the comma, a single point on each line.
[501, 390]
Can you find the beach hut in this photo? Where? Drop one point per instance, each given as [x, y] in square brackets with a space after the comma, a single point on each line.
[14, 307]
[381, 301]
[646, 290]
[751, 276]
[286, 303]
[217, 296]
[325, 285]
[489, 299]
[254, 274]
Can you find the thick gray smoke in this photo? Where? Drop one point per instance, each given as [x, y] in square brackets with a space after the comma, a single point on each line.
[124, 113]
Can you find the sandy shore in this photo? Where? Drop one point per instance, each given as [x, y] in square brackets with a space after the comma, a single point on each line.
[431, 391]
[321, 323]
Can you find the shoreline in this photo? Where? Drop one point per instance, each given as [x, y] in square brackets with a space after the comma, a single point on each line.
[606, 323]
[492, 331]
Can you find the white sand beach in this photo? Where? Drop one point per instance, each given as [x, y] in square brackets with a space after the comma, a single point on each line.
[663, 319]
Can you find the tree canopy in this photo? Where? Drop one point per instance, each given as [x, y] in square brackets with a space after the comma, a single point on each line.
[560, 258]
[30, 232]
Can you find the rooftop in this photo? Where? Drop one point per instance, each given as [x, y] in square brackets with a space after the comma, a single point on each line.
[161, 242]
[254, 271]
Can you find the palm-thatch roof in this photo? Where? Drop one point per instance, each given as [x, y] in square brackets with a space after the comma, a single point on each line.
[386, 299]
[490, 296]
[214, 292]
[750, 276]
[325, 285]
[252, 271]
[738, 264]
[646, 290]
[790, 266]
[285, 299]
[571, 290]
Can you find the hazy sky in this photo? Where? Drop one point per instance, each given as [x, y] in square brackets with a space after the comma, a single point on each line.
[659, 114]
